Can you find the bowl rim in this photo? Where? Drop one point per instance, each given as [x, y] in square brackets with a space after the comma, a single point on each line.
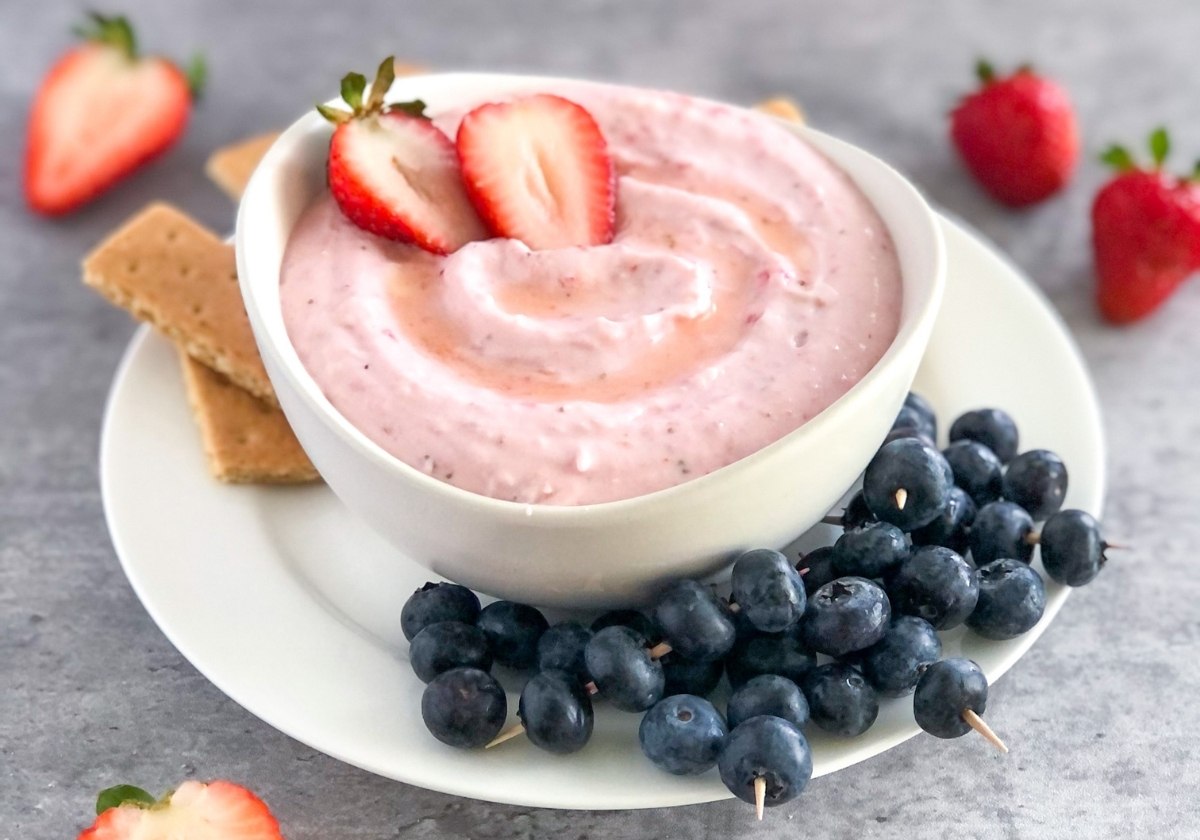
[273, 336]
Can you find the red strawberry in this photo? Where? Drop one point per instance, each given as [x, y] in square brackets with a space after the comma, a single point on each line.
[394, 173]
[1017, 135]
[1145, 233]
[196, 811]
[538, 170]
[101, 112]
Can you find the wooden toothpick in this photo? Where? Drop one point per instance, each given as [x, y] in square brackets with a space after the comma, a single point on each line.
[901, 498]
[760, 796]
[979, 725]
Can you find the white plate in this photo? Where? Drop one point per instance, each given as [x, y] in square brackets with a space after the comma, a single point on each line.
[292, 607]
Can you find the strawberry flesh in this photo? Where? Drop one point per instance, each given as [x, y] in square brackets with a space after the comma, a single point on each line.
[398, 176]
[99, 115]
[538, 170]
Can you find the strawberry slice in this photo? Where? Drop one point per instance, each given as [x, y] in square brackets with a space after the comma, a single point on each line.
[538, 170]
[101, 112]
[394, 173]
[197, 811]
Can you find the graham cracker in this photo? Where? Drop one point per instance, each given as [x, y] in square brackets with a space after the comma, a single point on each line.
[230, 167]
[245, 440]
[783, 107]
[167, 270]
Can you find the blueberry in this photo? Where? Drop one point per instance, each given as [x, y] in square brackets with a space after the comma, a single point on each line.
[1012, 599]
[846, 615]
[856, 513]
[1037, 481]
[893, 664]
[768, 694]
[784, 655]
[817, 568]
[840, 700]
[911, 418]
[683, 734]
[992, 427]
[935, 584]
[768, 590]
[513, 631]
[436, 602]
[556, 712]
[464, 707]
[694, 622]
[620, 665]
[633, 619]
[946, 690]
[952, 527]
[921, 411]
[872, 551]
[1072, 548]
[561, 649]
[907, 483]
[976, 470]
[1001, 530]
[683, 676]
[769, 748]
[912, 432]
[448, 644]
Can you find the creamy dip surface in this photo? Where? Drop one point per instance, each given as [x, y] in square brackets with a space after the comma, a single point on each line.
[749, 285]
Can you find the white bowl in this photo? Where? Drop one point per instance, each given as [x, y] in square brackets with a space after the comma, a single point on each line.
[614, 553]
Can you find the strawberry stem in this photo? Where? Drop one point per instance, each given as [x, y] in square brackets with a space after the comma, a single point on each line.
[113, 31]
[985, 71]
[353, 85]
[115, 797]
[1160, 146]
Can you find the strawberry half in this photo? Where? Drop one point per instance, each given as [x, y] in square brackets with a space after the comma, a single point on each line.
[394, 173]
[1145, 233]
[101, 112]
[538, 170]
[196, 811]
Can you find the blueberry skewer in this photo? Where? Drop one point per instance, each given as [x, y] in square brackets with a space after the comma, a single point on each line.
[949, 698]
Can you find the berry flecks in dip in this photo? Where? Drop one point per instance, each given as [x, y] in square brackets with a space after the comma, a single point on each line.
[748, 285]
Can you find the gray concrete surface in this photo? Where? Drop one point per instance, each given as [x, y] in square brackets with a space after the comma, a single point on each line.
[1101, 710]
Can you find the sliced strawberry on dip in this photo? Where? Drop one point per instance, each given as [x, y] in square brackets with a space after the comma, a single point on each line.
[394, 173]
[538, 170]
[194, 810]
[101, 112]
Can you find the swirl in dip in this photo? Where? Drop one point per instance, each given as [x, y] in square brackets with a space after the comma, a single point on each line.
[749, 285]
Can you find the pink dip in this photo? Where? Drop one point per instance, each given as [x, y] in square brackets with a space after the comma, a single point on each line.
[750, 284]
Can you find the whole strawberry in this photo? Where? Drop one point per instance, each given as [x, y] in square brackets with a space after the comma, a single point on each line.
[1145, 232]
[1018, 135]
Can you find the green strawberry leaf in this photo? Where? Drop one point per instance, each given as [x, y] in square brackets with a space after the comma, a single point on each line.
[114, 797]
[384, 76]
[1118, 158]
[1160, 145]
[353, 85]
[335, 115]
[1195, 176]
[984, 70]
[415, 108]
[197, 76]
[114, 31]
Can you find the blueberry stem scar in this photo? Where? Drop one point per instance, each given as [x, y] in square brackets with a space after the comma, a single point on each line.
[901, 498]
[760, 796]
[977, 723]
[507, 735]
